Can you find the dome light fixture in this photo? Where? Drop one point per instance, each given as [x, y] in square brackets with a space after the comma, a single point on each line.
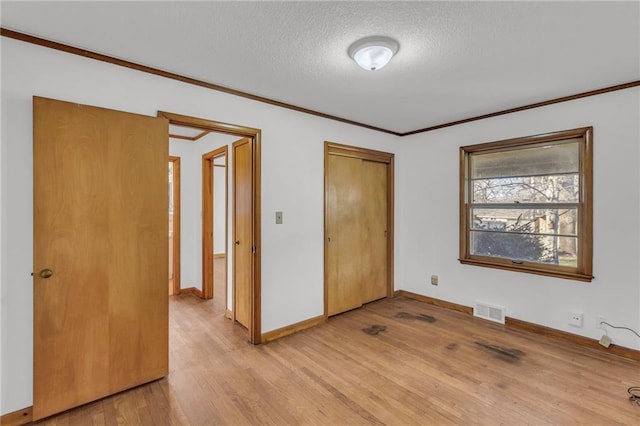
[373, 53]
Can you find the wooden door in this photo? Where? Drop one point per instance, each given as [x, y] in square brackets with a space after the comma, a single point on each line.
[100, 226]
[374, 230]
[344, 233]
[242, 229]
[358, 227]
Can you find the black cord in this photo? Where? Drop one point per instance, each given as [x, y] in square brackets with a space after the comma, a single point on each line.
[622, 328]
[634, 391]
[634, 394]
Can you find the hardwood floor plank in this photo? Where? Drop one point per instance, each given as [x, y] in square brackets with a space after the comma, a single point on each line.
[423, 364]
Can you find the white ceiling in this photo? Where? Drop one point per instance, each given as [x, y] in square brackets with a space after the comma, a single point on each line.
[456, 60]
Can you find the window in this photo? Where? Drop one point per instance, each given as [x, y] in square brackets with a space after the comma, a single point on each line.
[526, 204]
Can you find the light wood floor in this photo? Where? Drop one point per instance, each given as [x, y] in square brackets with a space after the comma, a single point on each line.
[429, 366]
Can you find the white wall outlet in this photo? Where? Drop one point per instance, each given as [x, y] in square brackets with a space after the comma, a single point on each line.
[575, 319]
[434, 280]
[599, 323]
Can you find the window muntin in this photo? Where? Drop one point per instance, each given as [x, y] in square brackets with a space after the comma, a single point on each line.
[526, 204]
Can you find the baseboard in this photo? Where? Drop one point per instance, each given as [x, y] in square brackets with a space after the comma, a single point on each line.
[574, 338]
[192, 290]
[293, 328]
[17, 418]
[436, 302]
[516, 324]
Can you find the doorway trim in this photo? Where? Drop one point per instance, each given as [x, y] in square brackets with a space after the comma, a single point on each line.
[332, 148]
[256, 135]
[176, 223]
[208, 236]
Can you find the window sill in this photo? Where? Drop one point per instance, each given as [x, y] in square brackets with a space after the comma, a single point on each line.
[529, 268]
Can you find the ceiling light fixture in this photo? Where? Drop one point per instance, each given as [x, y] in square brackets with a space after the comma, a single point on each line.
[373, 53]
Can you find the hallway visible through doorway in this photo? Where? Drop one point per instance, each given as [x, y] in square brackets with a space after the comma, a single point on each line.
[199, 249]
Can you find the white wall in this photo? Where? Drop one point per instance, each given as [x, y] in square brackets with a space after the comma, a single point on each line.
[292, 182]
[219, 213]
[429, 192]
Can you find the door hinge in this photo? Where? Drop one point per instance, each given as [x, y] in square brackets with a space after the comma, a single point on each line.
[253, 249]
[385, 233]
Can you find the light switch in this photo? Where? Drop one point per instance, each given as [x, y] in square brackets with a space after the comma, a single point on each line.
[278, 218]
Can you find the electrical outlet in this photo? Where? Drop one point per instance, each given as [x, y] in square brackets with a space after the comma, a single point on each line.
[434, 280]
[599, 323]
[575, 319]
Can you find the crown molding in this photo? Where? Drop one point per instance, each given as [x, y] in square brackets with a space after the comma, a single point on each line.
[16, 35]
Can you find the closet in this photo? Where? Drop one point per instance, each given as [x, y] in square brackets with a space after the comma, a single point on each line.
[358, 227]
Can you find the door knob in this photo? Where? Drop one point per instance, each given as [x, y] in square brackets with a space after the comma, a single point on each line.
[45, 273]
[237, 242]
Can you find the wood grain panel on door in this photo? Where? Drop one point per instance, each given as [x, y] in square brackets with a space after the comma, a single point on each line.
[374, 222]
[139, 258]
[242, 230]
[344, 233]
[100, 224]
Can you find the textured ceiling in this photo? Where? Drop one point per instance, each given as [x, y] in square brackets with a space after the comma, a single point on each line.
[456, 59]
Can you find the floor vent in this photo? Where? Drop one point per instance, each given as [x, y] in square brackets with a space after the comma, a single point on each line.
[489, 312]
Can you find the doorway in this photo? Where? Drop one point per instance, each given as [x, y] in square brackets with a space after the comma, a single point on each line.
[174, 225]
[214, 224]
[196, 148]
[249, 268]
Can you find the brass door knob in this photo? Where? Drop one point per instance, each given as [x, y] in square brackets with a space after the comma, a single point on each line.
[237, 242]
[45, 273]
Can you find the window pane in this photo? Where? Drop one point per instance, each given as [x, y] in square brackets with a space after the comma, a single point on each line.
[524, 220]
[528, 201]
[537, 160]
[527, 189]
[546, 249]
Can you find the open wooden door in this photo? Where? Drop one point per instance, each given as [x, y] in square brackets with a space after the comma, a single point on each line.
[242, 230]
[100, 253]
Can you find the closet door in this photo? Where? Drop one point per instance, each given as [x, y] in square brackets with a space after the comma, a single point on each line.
[357, 219]
[345, 233]
[374, 230]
